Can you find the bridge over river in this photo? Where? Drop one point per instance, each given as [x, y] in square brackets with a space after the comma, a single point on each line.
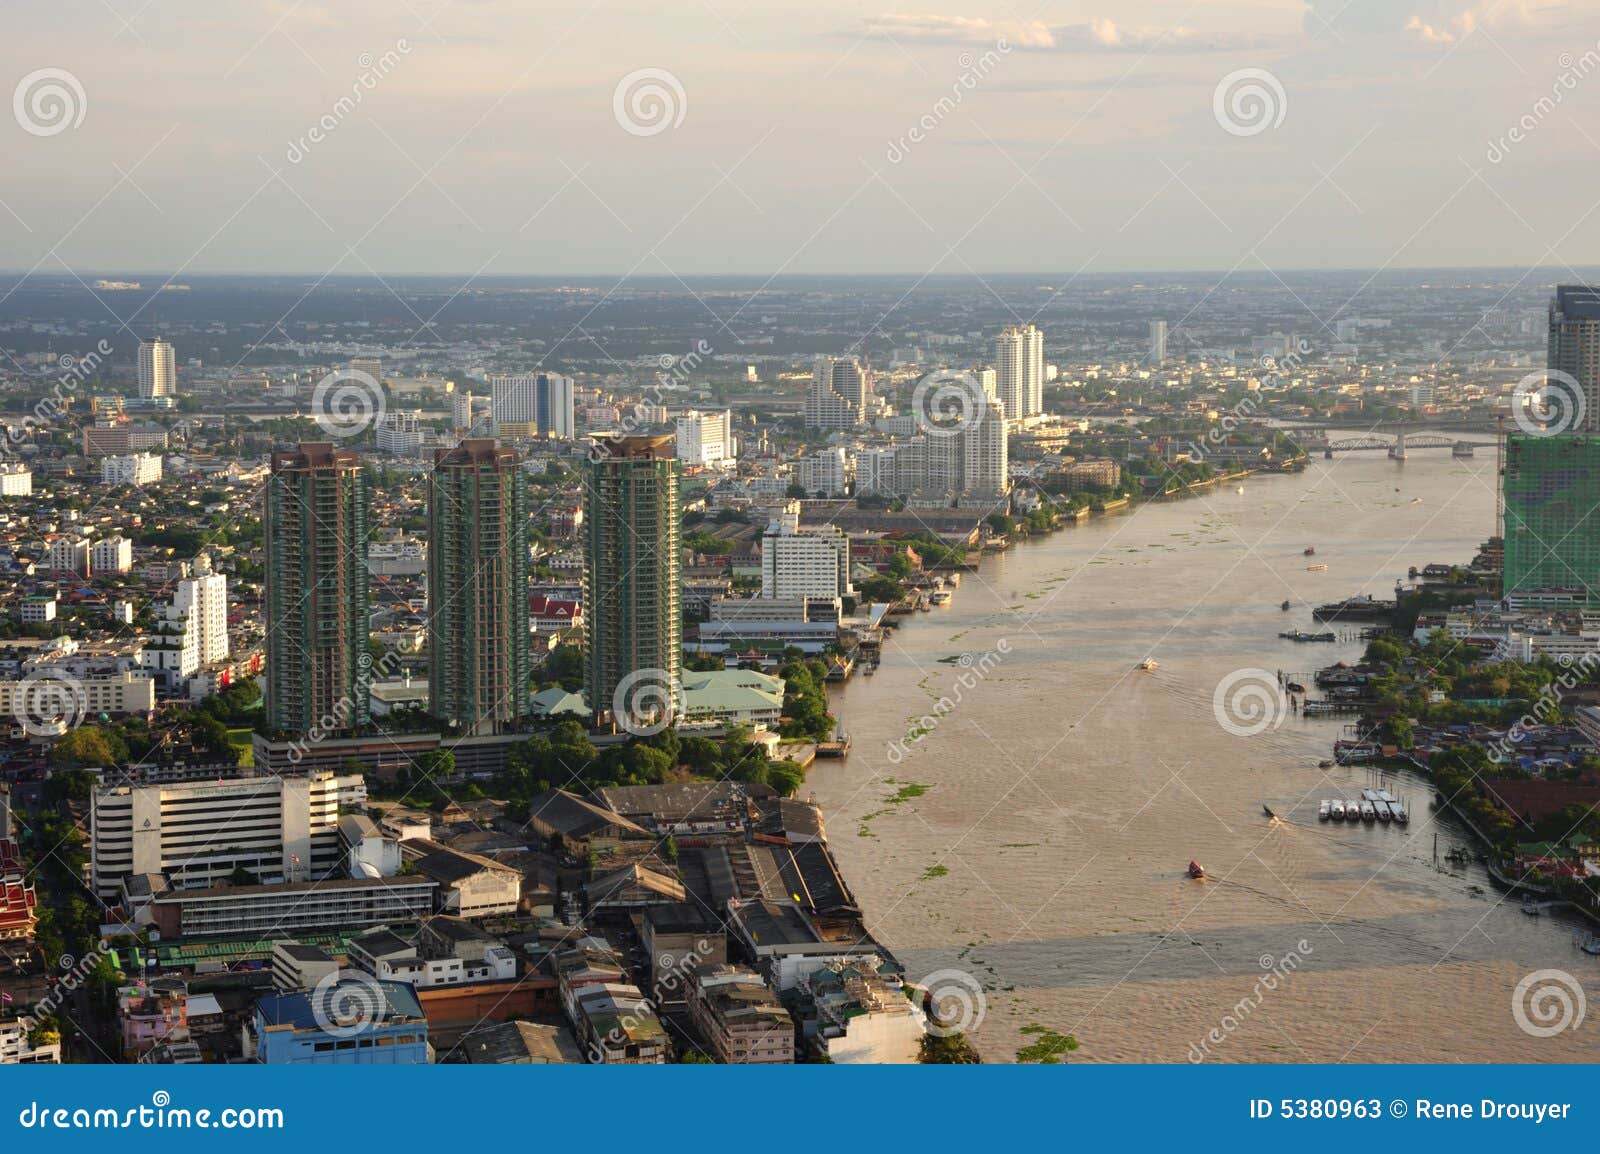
[1396, 446]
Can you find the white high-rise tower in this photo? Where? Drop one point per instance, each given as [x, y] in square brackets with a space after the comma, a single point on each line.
[1019, 371]
[158, 372]
[1158, 342]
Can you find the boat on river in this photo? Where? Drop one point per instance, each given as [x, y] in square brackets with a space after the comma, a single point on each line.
[1324, 810]
[1149, 664]
[1336, 809]
[1196, 871]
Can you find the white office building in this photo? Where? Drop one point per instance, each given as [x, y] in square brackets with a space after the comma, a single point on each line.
[131, 469]
[809, 563]
[198, 833]
[537, 405]
[461, 410]
[158, 369]
[705, 438]
[1019, 371]
[16, 480]
[113, 554]
[115, 694]
[399, 432]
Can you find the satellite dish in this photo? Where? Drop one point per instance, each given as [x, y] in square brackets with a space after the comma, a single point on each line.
[370, 870]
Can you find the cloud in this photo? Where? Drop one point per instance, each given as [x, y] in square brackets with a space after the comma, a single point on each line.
[957, 30]
[1096, 35]
[1434, 22]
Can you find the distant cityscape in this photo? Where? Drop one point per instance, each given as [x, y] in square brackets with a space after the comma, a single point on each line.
[393, 690]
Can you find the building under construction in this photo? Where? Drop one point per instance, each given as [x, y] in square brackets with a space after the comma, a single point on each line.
[1550, 495]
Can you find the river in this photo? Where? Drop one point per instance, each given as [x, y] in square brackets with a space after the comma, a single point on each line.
[1035, 837]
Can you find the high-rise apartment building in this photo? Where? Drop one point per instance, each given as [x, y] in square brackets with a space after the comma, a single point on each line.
[1158, 343]
[480, 657]
[1019, 371]
[838, 395]
[158, 369]
[461, 410]
[317, 590]
[632, 596]
[202, 600]
[537, 405]
[985, 464]
[1574, 345]
[825, 473]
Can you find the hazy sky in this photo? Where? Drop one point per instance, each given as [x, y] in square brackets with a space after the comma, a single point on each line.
[490, 137]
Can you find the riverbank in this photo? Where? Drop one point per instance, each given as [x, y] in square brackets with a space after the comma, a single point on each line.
[1035, 838]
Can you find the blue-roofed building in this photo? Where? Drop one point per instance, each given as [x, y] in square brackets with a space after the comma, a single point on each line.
[351, 1021]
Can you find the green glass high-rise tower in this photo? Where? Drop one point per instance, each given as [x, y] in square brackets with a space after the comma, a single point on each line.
[1551, 495]
[633, 636]
[315, 527]
[480, 656]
